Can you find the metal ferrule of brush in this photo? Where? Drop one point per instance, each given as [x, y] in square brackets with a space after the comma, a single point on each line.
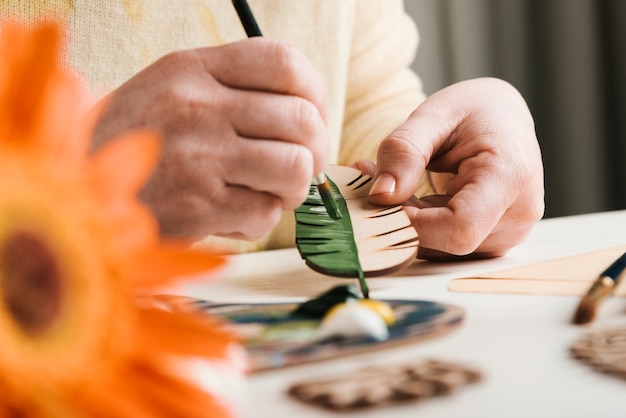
[601, 288]
[319, 179]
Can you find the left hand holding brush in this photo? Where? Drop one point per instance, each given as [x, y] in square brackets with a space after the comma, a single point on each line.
[478, 137]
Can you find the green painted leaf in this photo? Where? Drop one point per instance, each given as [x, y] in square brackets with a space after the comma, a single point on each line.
[327, 244]
[368, 240]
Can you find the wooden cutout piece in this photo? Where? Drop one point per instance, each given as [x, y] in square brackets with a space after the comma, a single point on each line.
[384, 237]
[604, 350]
[572, 275]
[380, 385]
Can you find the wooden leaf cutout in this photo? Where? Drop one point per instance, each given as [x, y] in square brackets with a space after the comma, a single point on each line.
[368, 239]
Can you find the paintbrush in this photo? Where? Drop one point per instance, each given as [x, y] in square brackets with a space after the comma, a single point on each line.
[323, 186]
[604, 285]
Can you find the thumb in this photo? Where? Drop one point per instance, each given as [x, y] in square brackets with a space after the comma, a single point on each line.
[401, 162]
[405, 153]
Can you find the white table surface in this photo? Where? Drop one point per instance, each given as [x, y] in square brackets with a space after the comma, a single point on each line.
[519, 342]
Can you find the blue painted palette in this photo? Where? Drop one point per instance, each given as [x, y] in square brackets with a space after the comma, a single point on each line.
[275, 337]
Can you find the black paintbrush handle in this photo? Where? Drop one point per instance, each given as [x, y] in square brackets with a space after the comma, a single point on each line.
[615, 269]
[247, 18]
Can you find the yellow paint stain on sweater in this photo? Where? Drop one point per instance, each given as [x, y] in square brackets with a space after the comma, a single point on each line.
[209, 23]
[134, 10]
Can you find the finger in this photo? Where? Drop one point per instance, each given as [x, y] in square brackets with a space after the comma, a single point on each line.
[279, 168]
[264, 64]
[286, 118]
[366, 167]
[235, 212]
[405, 153]
[247, 213]
[444, 252]
[460, 227]
[506, 236]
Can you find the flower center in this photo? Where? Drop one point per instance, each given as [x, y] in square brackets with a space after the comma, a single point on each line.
[30, 280]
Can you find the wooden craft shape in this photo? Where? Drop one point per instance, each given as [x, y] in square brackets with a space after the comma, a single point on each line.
[572, 275]
[368, 240]
[374, 386]
[604, 350]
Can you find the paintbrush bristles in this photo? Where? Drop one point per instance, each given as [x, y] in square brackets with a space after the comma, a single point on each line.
[585, 312]
[587, 307]
[601, 288]
[329, 201]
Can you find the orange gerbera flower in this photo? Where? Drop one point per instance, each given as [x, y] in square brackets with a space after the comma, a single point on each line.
[79, 254]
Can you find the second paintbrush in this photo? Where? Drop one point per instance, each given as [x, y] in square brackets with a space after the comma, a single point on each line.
[323, 186]
[604, 286]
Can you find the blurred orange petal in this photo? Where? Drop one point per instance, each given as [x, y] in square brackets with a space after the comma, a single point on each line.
[74, 234]
[169, 397]
[123, 165]
[23, 99]
[157, 266]
[194, 334]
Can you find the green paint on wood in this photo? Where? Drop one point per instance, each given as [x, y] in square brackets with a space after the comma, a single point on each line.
[319, 306]
[325, 243]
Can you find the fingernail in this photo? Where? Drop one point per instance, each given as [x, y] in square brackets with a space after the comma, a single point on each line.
[384, 184]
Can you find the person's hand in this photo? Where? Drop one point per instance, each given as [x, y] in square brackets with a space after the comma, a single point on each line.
[244, 129]
[478, 140]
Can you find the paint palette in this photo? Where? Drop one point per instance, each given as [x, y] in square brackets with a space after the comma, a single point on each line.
[367, 241]
[275, 337]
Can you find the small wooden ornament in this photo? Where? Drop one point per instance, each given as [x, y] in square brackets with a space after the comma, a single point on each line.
[604, 350]
[385, 384]
[367, 241]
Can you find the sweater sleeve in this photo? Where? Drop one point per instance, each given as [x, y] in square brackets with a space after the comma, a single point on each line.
[382, 89]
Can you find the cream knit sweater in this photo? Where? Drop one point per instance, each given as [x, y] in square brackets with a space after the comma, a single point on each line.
[362, 48]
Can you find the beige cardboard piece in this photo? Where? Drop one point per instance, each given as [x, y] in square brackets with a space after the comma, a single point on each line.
[564, 276]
